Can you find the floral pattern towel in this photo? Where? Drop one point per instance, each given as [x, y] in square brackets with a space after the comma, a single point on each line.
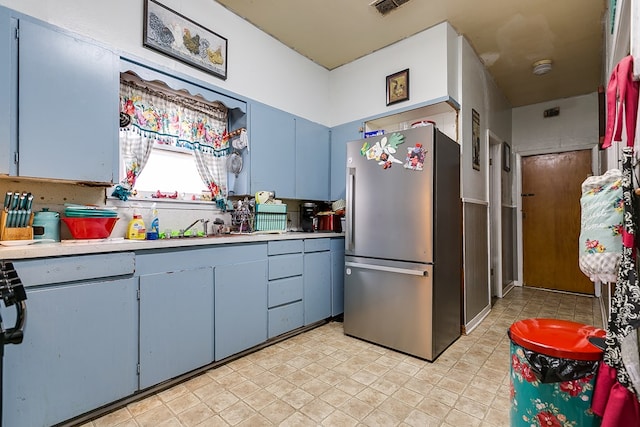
[559, 404]
[600, 241]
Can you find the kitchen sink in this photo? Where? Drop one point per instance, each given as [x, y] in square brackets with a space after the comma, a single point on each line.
[201, 236]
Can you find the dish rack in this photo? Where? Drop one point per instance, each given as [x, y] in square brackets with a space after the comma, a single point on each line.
[270, 217]
[242, 219]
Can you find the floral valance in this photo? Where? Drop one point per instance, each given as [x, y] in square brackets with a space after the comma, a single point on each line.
[149, 117]
[174, 121]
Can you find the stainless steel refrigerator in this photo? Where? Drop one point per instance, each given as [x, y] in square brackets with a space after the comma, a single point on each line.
[403, 243]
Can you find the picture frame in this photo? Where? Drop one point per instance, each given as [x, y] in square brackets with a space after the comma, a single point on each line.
[475, 140]
[506, 157]
[397, 87]
[178, 37]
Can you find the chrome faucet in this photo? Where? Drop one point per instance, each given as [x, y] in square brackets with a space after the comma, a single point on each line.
[191, 226]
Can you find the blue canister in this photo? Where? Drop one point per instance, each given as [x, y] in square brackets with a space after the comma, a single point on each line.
[46, 225]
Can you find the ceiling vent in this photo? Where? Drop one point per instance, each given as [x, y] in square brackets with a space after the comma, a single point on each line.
[386, 6]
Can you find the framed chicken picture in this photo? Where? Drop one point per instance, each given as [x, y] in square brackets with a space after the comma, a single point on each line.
[398, 87]
[172, 34]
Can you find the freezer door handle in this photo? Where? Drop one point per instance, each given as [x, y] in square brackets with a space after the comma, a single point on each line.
[351, 185]
[387, 269]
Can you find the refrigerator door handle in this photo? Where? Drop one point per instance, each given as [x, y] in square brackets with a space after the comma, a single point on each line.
[351, 184]
[387, 269]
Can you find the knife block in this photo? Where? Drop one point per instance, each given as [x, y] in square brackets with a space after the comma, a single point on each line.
[15, 233]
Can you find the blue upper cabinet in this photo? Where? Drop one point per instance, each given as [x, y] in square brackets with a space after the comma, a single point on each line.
[312, 160]
[58, 103]
[8, 69]
[67, 106]
[289, 154]
[273, 143]
[340, 135]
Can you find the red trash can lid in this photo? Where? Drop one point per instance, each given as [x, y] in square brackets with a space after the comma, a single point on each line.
[557, 338]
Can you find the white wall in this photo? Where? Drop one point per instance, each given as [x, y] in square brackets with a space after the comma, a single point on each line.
[575, 128]
[259, 67]
[357, 89]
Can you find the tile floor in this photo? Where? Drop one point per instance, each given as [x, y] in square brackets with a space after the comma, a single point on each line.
[324, 378]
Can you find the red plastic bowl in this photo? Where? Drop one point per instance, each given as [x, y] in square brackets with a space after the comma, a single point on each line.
[90, 228]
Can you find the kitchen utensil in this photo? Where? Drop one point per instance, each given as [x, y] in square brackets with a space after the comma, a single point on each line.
[7, 200]
[46, 225]
[90, 228]
[86, 211]
[329, 221]
[234, 163]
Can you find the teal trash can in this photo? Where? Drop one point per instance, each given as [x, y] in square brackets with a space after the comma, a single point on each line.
[553, 369]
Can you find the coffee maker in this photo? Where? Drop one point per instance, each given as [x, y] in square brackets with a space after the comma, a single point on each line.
[307, 216]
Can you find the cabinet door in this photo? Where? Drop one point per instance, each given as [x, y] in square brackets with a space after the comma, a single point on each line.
[68, 106]
[176, 324]
[312, 160]
[340, 135]
[317, 286]
[239, 184]
[240, 307]
[80, 351]
[272, 143]
[8, 91]
[337, 276]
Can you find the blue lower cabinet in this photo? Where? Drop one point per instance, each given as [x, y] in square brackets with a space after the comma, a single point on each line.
[176, 324]
[240, 307]
[286, 310]
[284, 291]
[80, 352]
[317, 286]
[285, 318]
[337, 276]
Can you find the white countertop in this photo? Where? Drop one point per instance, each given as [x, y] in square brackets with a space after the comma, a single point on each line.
[82, 247]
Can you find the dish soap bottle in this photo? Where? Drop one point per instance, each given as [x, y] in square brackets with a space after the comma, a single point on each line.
[154, 230]
[136, 229]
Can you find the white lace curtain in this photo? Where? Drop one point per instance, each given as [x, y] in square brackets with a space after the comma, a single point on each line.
[149, 117]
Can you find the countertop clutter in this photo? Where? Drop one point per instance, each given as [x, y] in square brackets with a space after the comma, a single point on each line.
[25, 249]
[16, 217]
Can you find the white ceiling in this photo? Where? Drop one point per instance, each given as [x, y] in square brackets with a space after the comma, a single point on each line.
[508, 36]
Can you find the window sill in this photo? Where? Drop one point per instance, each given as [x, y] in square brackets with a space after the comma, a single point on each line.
[165, 203]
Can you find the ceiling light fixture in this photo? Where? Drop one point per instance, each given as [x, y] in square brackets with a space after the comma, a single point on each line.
[542, 67]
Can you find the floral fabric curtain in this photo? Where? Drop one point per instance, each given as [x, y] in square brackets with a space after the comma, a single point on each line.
[213, 172]
[149, 117]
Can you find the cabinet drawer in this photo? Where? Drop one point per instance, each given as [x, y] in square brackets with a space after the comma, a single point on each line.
[285, 318]
[282, 291]
[279, 247]
[285, 266]
[317, 245]
[45, 271]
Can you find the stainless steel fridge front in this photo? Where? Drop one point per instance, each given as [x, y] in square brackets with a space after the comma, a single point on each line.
[386, 301]
[389, 209]
[403, 245]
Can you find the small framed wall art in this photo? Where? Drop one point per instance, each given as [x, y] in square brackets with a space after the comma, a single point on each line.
[398, 87]
[172, 34]
[475, 139]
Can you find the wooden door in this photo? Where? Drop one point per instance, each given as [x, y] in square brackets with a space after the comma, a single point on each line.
[551, 190]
